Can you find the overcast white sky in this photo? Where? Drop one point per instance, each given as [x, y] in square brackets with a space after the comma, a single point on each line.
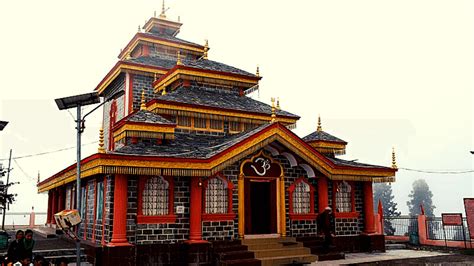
[380, 73]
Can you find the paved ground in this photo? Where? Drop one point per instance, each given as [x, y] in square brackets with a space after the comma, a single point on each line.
[402, 257]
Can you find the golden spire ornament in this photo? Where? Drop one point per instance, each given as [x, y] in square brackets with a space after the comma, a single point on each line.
[319, 128]
[273, 111]
[278, 103]
[129, 54]
[206, 48]
[139, 29]
[178, 61]
[38, 176]
[163, 92]
[257, 73]
[142, 105]
[101, 140]
[155, 77]
[163, 15]
[394, 162]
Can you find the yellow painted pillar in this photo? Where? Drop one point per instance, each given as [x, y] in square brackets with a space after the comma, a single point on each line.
[241, 199]
[282, 207]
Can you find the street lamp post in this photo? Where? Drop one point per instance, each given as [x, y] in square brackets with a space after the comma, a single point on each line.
[79, 101]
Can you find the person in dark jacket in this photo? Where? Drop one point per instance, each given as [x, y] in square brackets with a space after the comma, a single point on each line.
[28, 243]
[325, 227]
[15, 250]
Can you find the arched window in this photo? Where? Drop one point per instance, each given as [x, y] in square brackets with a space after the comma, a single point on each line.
[155, 197]
[155, 200]
[344, 199]
[301, 200]
[216, 196]
[217, 199]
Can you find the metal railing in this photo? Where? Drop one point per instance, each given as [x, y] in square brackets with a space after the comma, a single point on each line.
[400, 225]
[435, 230]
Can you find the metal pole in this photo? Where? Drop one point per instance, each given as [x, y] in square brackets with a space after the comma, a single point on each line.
[78, 178]
[5, 191]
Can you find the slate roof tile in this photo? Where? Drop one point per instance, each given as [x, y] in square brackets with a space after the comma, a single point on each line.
[145, 116]
[341, 162]
[321, 135]
[220, 99]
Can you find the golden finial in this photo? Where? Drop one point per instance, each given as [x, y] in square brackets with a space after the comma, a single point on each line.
[257, 73]
[278, 103]
[162, 15]
[154, 13]
[139, 29]
[319, 128]
[394, 162]
[179, 18]
[101, 140]
[206, 48]
[178, 61]
[273, 111]
[143, 106]
[39, 176]
[154, 77]
[163, 92]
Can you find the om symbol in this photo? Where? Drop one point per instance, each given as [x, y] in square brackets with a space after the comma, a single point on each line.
[265, 164]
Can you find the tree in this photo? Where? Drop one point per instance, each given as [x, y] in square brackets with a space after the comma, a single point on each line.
[383, 192]
[421, 195]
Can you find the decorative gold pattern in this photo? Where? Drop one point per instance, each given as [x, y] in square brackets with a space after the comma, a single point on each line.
[206, 49]
[101, 140]
[143, 105]
[273, 120]
[257, 73]
[178, 60]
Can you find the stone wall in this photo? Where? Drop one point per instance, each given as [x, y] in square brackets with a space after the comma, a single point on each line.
[116, 85]
[141, 83]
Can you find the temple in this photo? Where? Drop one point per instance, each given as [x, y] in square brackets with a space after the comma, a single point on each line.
[189, 165]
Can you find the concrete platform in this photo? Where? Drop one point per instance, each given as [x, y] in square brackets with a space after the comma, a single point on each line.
[390, 255]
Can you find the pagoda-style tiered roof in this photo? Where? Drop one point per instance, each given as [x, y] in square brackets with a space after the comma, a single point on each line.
[325, 142]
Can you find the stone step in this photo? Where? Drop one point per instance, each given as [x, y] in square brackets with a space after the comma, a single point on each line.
[223, 249]
[331, 256]
[241, 262]
[251, 241]
[235, 255]
[45, 232]
[266, 253]
[288, 260]
[395, 246]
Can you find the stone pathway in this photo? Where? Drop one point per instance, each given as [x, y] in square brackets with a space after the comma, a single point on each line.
[390, 255]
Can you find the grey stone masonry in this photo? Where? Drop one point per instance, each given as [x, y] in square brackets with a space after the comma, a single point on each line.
[141, 83]
[218, 230]
[109, 207]
[347, 226]
[90, 210]
[132, 206]
[303, 228]
[169, 232]
[116, 85]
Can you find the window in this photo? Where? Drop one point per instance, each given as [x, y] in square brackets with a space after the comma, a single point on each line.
[200, 122]
[83, 202]
[344, 200]
[301, 201]
[216, 124]
[184, 121]
[343, 197]
[155, 200]
[234, 126]
[301, 198]
[248, 126]
[216, 196]
[155, 197]
[217, 199]
[99, 200]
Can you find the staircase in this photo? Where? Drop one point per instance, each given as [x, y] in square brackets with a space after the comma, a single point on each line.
[315, 244]
[279, 251]
[233, 253]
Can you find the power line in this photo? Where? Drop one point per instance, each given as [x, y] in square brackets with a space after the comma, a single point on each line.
[450, 172]
[48, 152]
[23, 171]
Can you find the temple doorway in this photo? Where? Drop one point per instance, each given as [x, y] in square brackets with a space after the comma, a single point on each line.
[261, 206]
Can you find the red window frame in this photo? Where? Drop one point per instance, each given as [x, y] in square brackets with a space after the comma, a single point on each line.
[156, 219]
[301, 216]
[230, 215]
[352, 213]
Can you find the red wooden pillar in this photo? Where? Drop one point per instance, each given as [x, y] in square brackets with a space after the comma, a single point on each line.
[368, 208]
[322, 193]
[119, 229]
[195, 222]
[61, 199]
[50, 211]
[54, 205]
